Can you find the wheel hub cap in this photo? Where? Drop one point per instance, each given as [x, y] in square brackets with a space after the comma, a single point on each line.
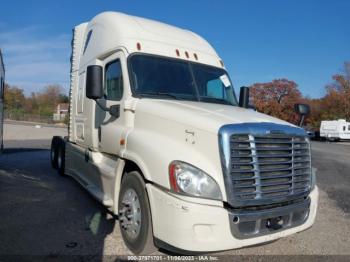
[130, 213]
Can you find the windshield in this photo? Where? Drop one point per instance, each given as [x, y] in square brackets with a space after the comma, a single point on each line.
[154, 76]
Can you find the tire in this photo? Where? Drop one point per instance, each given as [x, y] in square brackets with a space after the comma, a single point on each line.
[53, 152]
[140, 241]
[61, 154]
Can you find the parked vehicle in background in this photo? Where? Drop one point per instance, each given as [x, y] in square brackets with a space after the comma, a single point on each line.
[157, 135]
[2, 88]
[335, 130]
[310, 133]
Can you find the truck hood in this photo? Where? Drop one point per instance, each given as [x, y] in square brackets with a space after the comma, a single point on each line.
[206, 116]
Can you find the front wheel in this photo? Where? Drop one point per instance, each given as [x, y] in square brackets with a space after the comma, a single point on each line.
[134, 214]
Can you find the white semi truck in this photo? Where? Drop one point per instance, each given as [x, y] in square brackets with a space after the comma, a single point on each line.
[157, 135]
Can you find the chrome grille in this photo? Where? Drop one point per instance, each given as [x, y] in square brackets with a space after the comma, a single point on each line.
[264, 167]
[269, 166]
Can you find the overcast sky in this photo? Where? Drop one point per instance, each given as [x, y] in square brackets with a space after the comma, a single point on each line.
[304, 41]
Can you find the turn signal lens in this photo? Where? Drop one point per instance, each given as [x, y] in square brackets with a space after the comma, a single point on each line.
[172, 177]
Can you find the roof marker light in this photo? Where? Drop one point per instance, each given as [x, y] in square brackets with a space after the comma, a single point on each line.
[221, 63]
[177, 52]
[195, 56]
[138, 45]
[187, 55]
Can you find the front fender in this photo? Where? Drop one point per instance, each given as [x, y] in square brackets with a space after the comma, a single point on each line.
[154, 151]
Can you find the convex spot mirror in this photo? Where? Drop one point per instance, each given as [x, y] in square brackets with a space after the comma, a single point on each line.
[114, 110]
[302, 109]
[244, 97]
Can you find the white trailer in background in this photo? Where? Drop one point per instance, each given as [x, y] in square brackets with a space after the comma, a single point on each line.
[2, 86]
[335, 129]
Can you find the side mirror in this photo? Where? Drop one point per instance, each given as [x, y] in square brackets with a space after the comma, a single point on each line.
[94, 82]
[244, 97]
[303, 110]
[94, 89]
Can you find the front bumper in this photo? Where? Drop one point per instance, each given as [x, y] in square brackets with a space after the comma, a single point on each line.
[203, 228]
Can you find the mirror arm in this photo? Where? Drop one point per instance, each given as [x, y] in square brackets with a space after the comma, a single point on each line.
[301, 122]
[251, 107]
[113, 110]
[104, 108]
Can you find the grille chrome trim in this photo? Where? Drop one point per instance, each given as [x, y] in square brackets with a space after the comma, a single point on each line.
[255, 165]
[264, 163]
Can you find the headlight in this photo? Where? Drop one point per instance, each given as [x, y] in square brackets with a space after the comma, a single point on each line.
[187, 179]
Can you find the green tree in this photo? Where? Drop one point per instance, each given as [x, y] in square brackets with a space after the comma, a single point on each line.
[48, 99]
[14, 100]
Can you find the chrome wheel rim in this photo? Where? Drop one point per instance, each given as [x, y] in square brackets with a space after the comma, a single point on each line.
[130, 214]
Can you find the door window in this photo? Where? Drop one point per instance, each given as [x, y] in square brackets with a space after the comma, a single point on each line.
[113, 81]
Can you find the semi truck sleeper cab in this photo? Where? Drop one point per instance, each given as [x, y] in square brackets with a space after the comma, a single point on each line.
[157, 135]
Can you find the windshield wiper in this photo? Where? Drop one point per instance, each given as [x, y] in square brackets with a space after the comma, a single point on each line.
[214, 99]
[158, 94]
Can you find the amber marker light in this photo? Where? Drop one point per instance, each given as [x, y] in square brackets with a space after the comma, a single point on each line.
[172, 177]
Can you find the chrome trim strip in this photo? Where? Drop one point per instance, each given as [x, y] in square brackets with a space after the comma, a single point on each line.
[255, 165]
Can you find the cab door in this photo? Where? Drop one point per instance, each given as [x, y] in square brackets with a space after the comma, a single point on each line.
[111, 129]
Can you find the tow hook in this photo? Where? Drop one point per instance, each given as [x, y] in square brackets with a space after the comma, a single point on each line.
[274, 223]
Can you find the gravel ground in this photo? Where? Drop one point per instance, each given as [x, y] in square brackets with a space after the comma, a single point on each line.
[44, 214]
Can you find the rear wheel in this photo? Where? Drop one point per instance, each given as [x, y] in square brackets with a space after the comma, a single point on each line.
[134, 215]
